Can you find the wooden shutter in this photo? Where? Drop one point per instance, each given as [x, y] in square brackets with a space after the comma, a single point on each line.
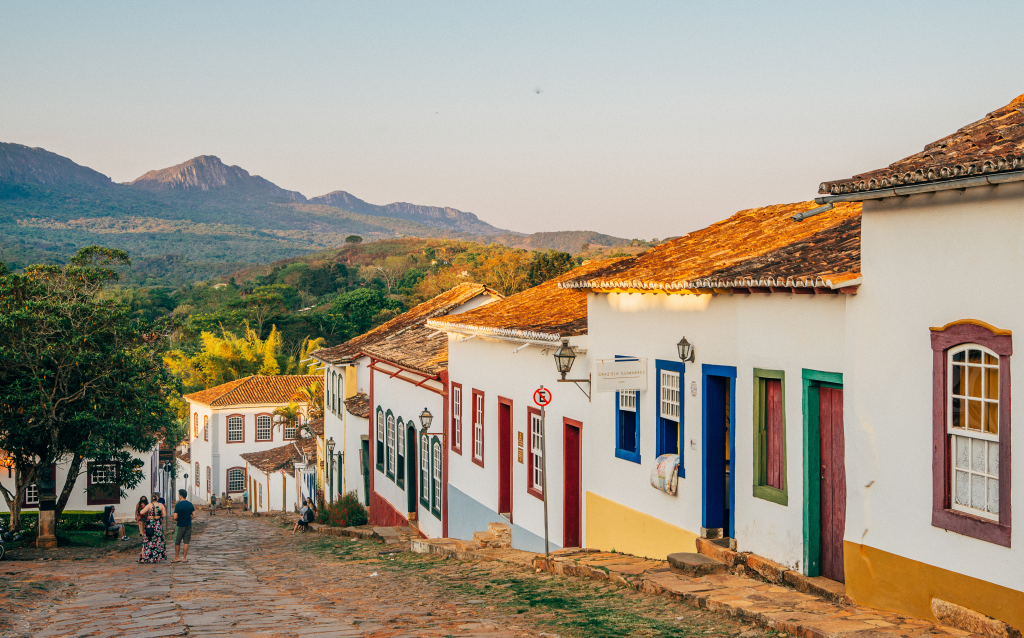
[773, 433]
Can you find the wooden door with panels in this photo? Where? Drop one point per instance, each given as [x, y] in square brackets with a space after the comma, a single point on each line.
[505, 451]
[833, 482]
[572, 469]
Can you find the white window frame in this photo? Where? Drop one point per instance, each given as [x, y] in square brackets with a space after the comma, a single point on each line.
[241, 479]
[32, 494]
[627, 400]
[292, 431]
[478, 427]
[380, 427]
[240, 432]
[457, 415]
[400, 445]
[209, 480]
[425, 469]
[536, 453]
[668, 403]
[391, 464]
[267, 423]
[437, 476]
[973, 453]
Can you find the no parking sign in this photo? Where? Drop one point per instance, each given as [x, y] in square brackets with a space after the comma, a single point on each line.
[542, 397]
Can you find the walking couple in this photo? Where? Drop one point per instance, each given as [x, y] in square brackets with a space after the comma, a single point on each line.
[154, 547]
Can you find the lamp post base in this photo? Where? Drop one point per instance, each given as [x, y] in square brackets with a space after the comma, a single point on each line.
[46, 531]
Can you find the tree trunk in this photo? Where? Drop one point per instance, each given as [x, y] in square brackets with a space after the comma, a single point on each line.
[17, 499]
[69, 484]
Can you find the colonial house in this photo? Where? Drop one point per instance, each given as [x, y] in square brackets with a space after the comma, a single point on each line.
[929, 362]
[499, 356]
[727, 334]
[401, 370]
[237, 418]
[279, 486]
[95, 488]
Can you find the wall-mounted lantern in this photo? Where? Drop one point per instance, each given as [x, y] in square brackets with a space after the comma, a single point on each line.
[686, 351]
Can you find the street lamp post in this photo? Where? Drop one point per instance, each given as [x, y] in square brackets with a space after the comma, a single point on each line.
[330, 462]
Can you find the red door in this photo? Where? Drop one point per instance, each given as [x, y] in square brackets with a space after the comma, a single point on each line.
[833, 483]
[505, 457]
[571, 523]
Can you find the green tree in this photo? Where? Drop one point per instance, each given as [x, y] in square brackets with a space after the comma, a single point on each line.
[80, 380]
[355, 311]
[353, 239]
[548, 265]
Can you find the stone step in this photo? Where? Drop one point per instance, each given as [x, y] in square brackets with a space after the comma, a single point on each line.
[695, 565]
[483, 538]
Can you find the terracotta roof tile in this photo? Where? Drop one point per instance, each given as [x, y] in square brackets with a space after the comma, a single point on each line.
[358, 405]
[254, 390]
[281, 458]
[546, 312]
[316, 426]
[680, 264]
[830, 256]
[993, 144]
[415, 349]
[439, 305]
[184, 457]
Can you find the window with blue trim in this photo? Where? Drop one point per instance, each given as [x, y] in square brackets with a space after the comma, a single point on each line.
[670, 402]
[627, 425]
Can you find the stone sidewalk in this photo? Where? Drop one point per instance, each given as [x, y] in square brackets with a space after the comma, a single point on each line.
[819, 611]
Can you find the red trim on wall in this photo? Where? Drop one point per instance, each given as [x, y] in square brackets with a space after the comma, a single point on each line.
[255, 432]
[528, 451]
[943, 516]
[569, 504]
[502, 449]
[483, 428]
[456, 437]
[383, 514]
[444, 470]
[227, 428]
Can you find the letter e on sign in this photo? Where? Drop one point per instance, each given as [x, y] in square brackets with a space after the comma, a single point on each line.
[542, 397]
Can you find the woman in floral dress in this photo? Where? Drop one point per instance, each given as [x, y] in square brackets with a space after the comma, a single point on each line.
[154, 549]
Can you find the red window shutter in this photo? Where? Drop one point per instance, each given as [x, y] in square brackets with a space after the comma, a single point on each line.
[773, 432]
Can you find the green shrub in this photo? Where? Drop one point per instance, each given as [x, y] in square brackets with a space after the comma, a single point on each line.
[69, 520]
[345, 512]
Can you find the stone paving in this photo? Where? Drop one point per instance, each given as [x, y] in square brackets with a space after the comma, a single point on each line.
[250, 577]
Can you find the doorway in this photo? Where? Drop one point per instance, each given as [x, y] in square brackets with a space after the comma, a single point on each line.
[505, 457]
[718, 452]
[364, 465]
[572, 479]
[411, 473]
[824, 475]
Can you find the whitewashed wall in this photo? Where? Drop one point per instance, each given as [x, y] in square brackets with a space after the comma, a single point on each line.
[78, 501]
[491, 366]
[220, 455]
[407, 401]
[928, 260]
[778, 332]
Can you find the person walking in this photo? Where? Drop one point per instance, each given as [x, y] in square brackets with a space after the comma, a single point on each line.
[245, 499]
[213, 504]
[154, 547]
[184, 512]
[228, 503]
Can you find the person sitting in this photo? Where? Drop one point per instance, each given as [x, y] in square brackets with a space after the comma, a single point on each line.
[110, 525]
[305, 517]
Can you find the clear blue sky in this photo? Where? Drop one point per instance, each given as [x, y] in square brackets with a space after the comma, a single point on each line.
[653, 118]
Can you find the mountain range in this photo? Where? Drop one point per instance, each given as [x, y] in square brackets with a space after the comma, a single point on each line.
[204, 216]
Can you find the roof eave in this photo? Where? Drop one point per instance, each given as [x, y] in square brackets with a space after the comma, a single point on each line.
[992, 179]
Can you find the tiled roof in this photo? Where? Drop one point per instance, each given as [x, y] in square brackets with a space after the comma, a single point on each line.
[281, 458]
[254, 390]
[993, 144]
[545, 312]
[415, 349]
[439, 305]
[831, 256]
[358, 405]
[184, 457]
[316, 426]
[682, 264]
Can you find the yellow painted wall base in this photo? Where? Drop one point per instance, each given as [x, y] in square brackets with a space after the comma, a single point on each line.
[613, 526]
[886, 581]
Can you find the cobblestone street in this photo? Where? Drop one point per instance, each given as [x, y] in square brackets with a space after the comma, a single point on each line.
[250, 577]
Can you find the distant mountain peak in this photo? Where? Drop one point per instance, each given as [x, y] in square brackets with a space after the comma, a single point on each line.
[208, 173]
[25, 164]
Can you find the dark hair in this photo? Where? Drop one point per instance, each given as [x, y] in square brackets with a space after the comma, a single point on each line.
[182, 493]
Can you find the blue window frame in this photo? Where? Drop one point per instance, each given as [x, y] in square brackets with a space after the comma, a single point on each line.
[627, 422]
[669, 411]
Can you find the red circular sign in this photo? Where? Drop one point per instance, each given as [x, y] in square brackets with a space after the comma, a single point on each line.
[542, 397]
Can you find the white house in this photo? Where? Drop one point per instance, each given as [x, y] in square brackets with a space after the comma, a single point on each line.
[274, 475]
[232, 419]
[95, 487]
[932, 493]
[498, 357]
[400, 369]
[758, 298]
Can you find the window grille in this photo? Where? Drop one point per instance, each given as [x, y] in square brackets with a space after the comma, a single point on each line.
[973, 428]
[457, 417]
[670, 395]
[425, 469]
[391, 443]
[206, 428]
[437, 476]
[627, 400]
[478, 426]
[236, 479]
[197, 474]
[32, 494]
[209, 480]
[536, 453]
[235, 431]
[264, 428]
